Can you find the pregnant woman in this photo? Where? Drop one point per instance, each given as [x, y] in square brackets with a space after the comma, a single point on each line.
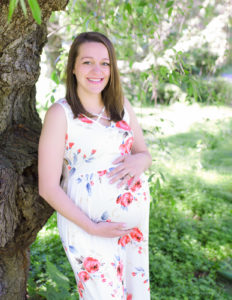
[92, 156]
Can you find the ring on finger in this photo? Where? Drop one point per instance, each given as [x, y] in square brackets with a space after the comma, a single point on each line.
[130, 175]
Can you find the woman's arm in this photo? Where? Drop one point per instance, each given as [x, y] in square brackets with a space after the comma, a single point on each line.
[51, 153]
[140, 159]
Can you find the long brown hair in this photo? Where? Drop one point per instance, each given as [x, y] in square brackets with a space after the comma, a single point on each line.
[112, 95]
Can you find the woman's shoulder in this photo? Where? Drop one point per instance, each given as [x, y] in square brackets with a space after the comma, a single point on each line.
[56, 111]
[62, 102]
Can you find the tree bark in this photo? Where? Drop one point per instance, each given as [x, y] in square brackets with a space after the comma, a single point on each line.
[22, 211]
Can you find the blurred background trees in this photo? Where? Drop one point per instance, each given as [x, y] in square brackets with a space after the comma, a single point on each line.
[167, 50]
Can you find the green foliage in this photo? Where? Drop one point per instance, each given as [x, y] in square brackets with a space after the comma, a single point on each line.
[35, 9]
[34, 6]
[213, 91]
[200, 61]
[190, 219]
[57, 286]
[47, 254]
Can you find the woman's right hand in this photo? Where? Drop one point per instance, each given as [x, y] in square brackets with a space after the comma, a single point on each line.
[109, 229]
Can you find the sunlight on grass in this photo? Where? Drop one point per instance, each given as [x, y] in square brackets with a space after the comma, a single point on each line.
[181, 117]
[213, 177]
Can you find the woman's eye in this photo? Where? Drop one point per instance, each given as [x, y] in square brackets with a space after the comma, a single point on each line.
[87, 62]
[105, 64]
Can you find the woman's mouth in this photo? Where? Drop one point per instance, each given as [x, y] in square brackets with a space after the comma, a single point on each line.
[95, 80]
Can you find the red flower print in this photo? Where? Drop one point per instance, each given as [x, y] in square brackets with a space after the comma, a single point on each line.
[84, 276]
[80, 288]
[120, 270]
[136, 235]
[145, 281]
[70, 145]
[134, 274]
[101, 173]
[93, 151]
[79, 150]
[125, 199]
[129, 297]
[91, 265]
[126, 147]
[136, 186]
[125, 239]
[66, 137]
[84, 119]
[123, 125]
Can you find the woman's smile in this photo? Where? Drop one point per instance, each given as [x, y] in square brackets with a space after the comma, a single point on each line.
[95, 80]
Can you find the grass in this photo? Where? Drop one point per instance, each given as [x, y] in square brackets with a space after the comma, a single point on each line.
[191, 209]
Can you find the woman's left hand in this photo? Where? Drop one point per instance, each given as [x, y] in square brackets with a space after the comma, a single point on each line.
[129, 169]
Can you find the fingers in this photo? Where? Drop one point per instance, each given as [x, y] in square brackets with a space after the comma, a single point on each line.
[122, 176]
[126, 180]
[130, 182]
[133, 181]
[118, 171]
[126, 173]
[118, 160]
[120, 232]
[111, 229]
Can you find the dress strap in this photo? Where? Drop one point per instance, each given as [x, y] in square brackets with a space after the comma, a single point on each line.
[100, 115]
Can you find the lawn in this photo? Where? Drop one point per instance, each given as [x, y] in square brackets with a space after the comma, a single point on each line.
[190, 216]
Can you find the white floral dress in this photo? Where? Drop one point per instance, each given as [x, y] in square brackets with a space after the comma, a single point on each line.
[104, 268]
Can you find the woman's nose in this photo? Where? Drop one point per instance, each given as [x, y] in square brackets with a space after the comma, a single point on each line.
[97, 68]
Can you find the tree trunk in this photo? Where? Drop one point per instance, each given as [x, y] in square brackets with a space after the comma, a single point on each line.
[22, 211]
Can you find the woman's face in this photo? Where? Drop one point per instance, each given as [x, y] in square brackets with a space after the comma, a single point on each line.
[92, 68]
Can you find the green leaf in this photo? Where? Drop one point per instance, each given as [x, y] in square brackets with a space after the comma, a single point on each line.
[150, 177]
[59, 278]
[162, 176]
[128, 7]
[157, 184]
[55, 78]
[169, 4]
[170, 11]
[12, 6]
[156, 19]
[52, 99]
[131, 63]
[35, 9]
[142, 3]
[23, 5]
[226, 274]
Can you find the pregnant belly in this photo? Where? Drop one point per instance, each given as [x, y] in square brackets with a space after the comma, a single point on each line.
[104, 202]
[119, 205]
